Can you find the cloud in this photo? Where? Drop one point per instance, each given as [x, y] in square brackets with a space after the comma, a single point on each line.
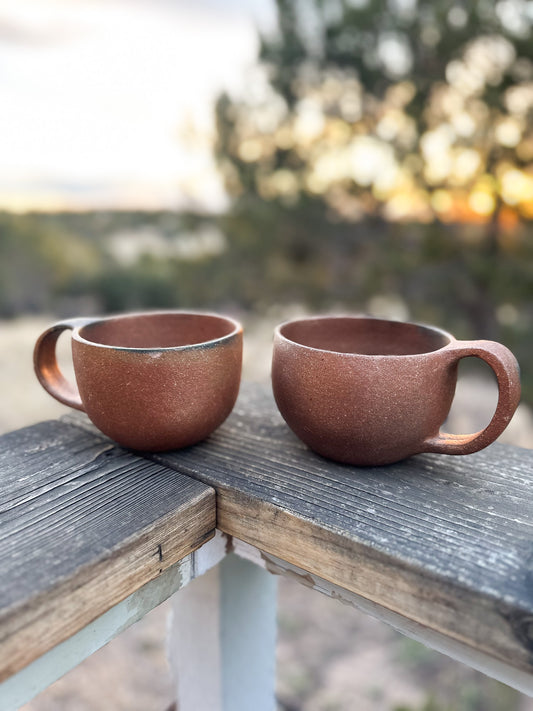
[94, 93]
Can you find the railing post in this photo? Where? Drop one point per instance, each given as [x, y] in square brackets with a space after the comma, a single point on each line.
[222, 639]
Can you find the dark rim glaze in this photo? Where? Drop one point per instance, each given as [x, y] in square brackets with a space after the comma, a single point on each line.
[235, 326]
[432, 332]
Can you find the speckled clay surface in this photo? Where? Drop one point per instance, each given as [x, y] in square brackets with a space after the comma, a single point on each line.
[368, 391]
[152, 381]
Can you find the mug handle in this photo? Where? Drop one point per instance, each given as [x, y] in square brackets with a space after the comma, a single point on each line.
[507, 371]
[47, 368]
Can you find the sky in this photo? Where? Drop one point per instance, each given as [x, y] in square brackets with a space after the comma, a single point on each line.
[109, 103]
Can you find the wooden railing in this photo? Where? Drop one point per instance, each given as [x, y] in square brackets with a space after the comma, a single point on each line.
[92, 537]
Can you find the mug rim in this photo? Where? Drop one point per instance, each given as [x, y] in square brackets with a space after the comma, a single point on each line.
[77, 336]
[362, 317]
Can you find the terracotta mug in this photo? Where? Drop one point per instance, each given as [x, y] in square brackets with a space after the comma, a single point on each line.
[150, 381]
[368, 391]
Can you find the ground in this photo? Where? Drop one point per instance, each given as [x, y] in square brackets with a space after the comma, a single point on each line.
[330, 657]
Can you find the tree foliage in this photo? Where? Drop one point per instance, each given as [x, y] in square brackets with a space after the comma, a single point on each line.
[413, 109]
[393, 143]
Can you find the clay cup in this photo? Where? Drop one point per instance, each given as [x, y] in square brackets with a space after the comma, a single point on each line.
[368, 391]
[151, 381]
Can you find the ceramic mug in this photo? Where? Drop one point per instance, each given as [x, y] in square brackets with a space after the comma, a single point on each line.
[151, 381]
[368, 391]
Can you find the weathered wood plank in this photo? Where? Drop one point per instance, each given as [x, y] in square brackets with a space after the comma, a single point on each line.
[226, 662]
[489, 665]
[444, 541]
[83, 524]
[27, 683]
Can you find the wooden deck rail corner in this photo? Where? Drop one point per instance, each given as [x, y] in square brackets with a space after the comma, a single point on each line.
[92, 537]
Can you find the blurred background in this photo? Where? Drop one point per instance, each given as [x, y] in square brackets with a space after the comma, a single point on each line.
[271, 158]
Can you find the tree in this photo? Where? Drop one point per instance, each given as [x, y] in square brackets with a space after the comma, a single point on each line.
[400, 133]
[411, 110]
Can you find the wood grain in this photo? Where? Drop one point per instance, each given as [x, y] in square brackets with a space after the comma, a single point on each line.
[444, 541]
[502, 671]
[83, 524]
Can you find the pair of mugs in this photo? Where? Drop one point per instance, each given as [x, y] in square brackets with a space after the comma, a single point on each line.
[358, 390]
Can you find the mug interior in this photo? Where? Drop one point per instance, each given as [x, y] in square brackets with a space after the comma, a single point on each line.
[364, 336]
[158, 330]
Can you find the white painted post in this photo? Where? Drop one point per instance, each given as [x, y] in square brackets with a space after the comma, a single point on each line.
[222, 639]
